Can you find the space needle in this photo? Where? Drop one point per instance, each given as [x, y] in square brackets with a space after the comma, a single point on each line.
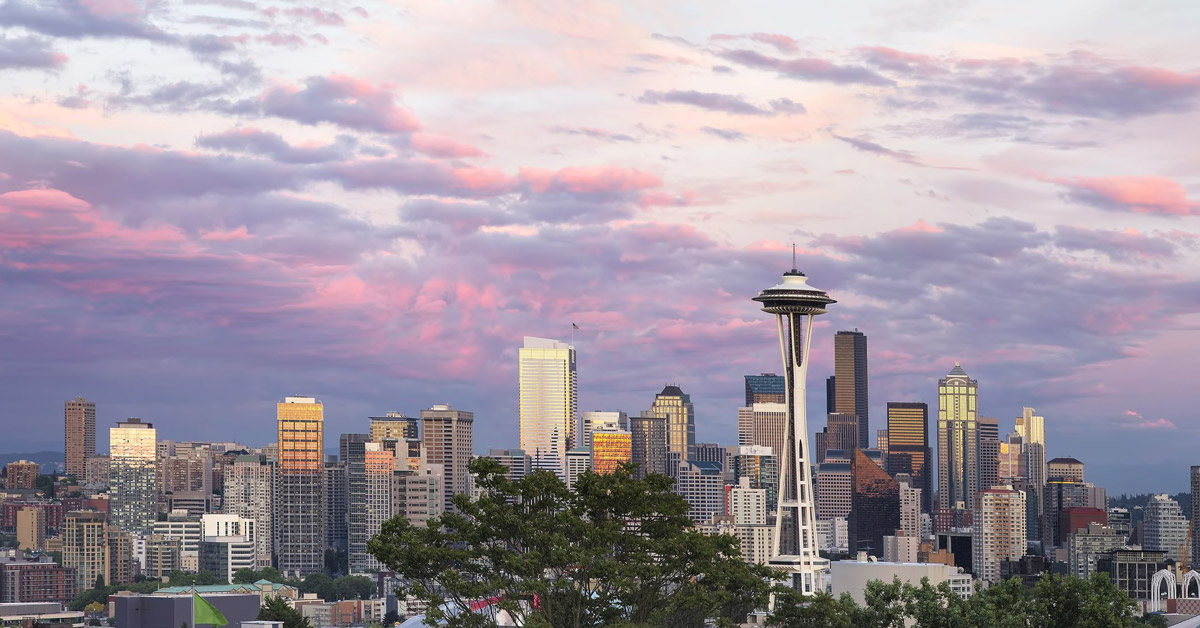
[794, 541]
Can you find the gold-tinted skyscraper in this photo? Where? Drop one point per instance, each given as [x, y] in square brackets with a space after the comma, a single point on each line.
[676, 407]
[79, 434]
[850, 380]
[132, 449]
[549, 402]
[958, 440]
[908, 445]
[300, 500]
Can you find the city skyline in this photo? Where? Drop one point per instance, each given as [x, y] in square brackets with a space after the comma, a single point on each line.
[208, 207]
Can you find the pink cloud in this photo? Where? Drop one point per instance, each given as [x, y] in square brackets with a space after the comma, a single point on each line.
[1140, 194]
[438, 146]
[219, 235]
[589, 180]
[342, 100]
[1136, 421]
[40, 200]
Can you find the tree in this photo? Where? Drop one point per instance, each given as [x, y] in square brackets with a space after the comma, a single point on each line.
[614, 551]
[391, 618]
[321, 584]
[355, 588]
[99, 582]
[277, 609]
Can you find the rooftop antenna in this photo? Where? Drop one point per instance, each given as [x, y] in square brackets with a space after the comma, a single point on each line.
[793, 256]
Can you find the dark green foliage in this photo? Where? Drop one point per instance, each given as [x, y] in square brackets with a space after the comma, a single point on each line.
[277, 609]
[615, 551]
[182, 579]
[1056, 602]
[391, 618]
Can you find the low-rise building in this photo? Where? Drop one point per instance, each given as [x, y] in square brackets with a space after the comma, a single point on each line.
[27, 580]
[852, 576]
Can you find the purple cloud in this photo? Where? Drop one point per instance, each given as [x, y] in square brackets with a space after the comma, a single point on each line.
[732, 135]
[726, 103]
[29, 53]
[342, 100]
[807, 69]
[258, 142]
[867, 146]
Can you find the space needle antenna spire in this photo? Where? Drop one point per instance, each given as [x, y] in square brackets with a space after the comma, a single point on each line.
[794, 549]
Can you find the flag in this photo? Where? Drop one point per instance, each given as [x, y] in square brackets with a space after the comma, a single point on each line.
[574, 326]
[203, 612]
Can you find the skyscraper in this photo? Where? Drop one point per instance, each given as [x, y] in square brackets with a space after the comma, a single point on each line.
[1195, 486]
[850, 380]
[449, 441]
[300, 516]
[908, 446]
[989, 451]
[370, 502]
[250, 494]
[794, 304]
[549, 402]
[393, 425]
[79, 435]
[999, 531]
[765, 388]
[842, 432]
[958, 444]
[763, 425]
[131, 453]
[648, 435]
[1165, 528]
[874, 505]
[676, 407]
[85, 547]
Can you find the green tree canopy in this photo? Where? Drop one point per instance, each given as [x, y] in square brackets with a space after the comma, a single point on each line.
[615, 551]
[277, 609]
[1056, 602]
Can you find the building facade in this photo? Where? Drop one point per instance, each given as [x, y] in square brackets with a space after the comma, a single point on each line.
[675, 406]
[601, 421]
[908, 446]
[610, 449]
[133, 463]
[449, 440]
[1165, 529]
[999, 531]
[765, 388]
[648, 437]
[250, 493]
[958, 450]
[874, 505]
[300, 516]
[79, 417]
[850, 381]
[549, 402]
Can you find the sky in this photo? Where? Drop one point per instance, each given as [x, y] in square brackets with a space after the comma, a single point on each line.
[209, 205]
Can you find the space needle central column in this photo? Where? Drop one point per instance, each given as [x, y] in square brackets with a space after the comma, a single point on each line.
[794, 542]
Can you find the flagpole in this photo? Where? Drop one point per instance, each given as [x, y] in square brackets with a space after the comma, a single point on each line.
[193, 624]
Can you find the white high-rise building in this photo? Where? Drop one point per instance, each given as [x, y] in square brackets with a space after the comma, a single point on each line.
[131, 453]
[250, 493]
[549, 402]
[999, 531]
[702, 485]
[747, 506]
[578, 461]
[601, 421]
[1165, 529]
[910, 511]
[794, 303]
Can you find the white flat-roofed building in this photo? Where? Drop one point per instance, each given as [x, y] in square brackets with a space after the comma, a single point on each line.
[852, 576]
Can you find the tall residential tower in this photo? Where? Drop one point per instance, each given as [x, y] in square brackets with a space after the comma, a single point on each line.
[79, 417]
[132, 455]
[794, 544]
[300, 498]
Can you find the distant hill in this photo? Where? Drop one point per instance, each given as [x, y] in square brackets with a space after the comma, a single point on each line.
[51, 461]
